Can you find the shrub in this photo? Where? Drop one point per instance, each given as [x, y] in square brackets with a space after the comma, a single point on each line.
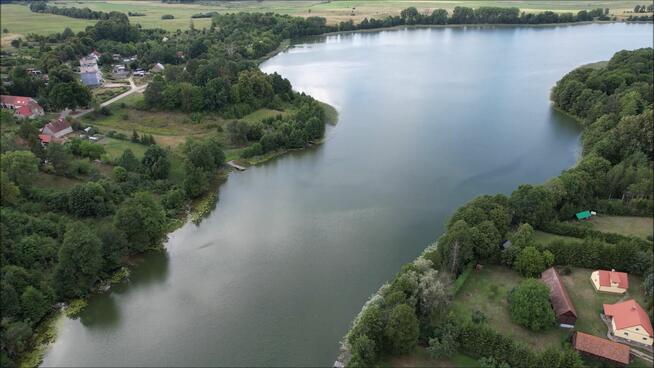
[167, 16]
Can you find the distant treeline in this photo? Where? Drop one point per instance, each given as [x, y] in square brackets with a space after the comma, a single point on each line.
[82, 13]
[482, 15]
[204, 15]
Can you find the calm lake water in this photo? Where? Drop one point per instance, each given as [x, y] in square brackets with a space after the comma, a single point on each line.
[429, 119]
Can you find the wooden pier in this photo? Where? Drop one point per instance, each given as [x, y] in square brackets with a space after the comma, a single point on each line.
[236, 166]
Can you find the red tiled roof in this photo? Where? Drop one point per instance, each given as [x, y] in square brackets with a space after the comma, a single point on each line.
[601, 347]
[629, 314]
[608, 277]
[57, 125]
[24, 111]
[45, 138]
[558, 295]
[24, 106]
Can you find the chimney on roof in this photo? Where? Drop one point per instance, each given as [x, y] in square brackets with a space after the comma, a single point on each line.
[613, 270]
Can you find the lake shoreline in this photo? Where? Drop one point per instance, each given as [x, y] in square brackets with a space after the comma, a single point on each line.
[197, 211]
[480, 25]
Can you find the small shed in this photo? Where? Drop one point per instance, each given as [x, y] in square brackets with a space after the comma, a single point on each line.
[583, 215]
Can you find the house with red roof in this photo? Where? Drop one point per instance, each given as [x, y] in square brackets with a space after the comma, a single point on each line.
[596, 347]
[23, 107]
[56, 129]
[610, 281]
[629, 321]
[564, 310]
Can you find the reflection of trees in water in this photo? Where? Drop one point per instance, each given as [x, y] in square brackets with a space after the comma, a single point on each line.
[153, 267]
[102, 310]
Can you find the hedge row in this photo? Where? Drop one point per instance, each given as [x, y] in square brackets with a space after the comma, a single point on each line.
[568, 229]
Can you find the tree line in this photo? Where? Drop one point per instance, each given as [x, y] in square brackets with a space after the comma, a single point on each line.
[614, 105]
[481, 15]
[73, 12]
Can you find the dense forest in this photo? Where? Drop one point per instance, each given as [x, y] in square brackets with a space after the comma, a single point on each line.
[614, 106]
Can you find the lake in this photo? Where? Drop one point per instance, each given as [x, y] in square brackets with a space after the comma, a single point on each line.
[429, 119]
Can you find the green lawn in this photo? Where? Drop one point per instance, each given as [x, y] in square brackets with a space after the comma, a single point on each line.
[261, 114]
[636, 226]
[588, 302]
[486, 291]
[115, 148]
[420, 358]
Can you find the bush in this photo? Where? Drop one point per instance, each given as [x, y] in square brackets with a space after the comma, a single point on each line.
[167, 16]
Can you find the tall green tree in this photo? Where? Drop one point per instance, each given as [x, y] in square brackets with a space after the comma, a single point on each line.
[142, 219]
[80, 261]
[402, 329]
[529, 305]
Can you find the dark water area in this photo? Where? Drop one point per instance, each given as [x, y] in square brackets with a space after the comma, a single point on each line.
[428, 119]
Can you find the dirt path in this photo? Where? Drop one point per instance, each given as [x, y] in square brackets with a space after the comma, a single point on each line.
[133, 89]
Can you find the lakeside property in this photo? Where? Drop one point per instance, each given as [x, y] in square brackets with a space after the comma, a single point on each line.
[155, 172]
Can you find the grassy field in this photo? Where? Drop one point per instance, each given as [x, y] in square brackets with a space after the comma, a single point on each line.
[420, 358]
[588, 302]
[625, 225]
[20, 21]
[169, 129]
[486, 291]
[115, 147]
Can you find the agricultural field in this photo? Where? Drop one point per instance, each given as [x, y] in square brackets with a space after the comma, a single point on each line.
[19, 20]
[641, 227]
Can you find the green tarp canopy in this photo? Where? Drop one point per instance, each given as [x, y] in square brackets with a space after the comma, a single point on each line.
[583, 215]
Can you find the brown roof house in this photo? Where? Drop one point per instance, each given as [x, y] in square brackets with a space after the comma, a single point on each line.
[564, 311]
[599, 348]
[57, 128]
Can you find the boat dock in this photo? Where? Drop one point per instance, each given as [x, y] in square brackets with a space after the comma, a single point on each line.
[238, 167]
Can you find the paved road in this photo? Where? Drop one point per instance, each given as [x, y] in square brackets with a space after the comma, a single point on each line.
[133, 88]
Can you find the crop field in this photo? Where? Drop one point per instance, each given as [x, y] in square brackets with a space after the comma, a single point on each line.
[19, 20]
